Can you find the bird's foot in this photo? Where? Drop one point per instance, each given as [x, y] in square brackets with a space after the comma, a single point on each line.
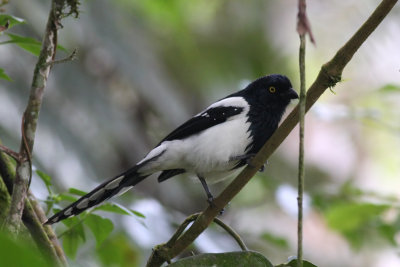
[248, 158]
[210, 201]
[262, 169]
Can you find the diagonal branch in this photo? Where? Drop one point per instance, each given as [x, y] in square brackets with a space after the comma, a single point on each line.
[329, 75]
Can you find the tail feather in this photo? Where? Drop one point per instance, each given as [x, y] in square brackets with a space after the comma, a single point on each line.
[106, 190]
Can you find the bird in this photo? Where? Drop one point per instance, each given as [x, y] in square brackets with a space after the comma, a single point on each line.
[212, 145]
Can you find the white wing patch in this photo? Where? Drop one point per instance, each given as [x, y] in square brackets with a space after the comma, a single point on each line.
[114, 183]
[68, 212]
[155, 152]
[83, 203]
[235, 101]
[97, 194]
[124, 190]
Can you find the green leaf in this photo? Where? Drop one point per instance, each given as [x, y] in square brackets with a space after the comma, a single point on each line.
[4, 76]
[77, 192]
[388, 232]
[138, 214]
[389, 88]
[45, 177]
[67, 197]
[346, 217]
[119, 250]
[293, 263]
[276, 240]
[74, 224]
[73, 237]
[100, 227]
[14, 253]
[27, 43]
[237, 259]
[71, 241]
[13, 20]
[116, 208]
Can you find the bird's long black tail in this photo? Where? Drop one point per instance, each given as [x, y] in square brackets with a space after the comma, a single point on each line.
[117, 185]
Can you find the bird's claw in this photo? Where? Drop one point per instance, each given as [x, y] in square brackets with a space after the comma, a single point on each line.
[210, 201]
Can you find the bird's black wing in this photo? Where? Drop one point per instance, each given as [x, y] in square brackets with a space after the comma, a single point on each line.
[208, 118]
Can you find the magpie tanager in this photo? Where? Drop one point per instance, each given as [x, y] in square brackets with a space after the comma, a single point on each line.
[212, 145]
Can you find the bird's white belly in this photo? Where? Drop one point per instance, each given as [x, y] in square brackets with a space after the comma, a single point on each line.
[213, 150]
[208, 154]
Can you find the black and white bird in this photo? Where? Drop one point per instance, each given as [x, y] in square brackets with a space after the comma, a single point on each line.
[212, 145]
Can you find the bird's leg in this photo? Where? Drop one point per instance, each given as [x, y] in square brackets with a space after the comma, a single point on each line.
[210, 197]
[247, 158]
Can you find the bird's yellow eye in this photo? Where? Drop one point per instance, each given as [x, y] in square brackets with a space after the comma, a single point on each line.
[272, 89]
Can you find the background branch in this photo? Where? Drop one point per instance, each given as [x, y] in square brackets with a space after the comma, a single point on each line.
[17, 181]
[328, 76]
[31, 115]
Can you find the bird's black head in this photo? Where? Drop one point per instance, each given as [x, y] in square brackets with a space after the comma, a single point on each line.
[268, 98]
[272, 91]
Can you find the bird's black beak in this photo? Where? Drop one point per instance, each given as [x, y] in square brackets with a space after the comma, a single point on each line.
[291, 94]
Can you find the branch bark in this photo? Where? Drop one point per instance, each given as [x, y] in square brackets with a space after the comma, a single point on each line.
[5, 201]
[328, 76]
[31, 115]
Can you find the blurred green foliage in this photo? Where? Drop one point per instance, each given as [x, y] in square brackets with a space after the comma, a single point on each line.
[4, 76]
[358, 220]
[19, 254]
[210, 40]
[118, 251]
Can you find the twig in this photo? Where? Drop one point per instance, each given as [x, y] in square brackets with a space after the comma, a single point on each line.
[232, 232]
[160, 250]
[192, 218]
[182, 228]
[301, 174]
[328, 76]
[10, 152]
[71, 57]
[303, 25]
[302, 22]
